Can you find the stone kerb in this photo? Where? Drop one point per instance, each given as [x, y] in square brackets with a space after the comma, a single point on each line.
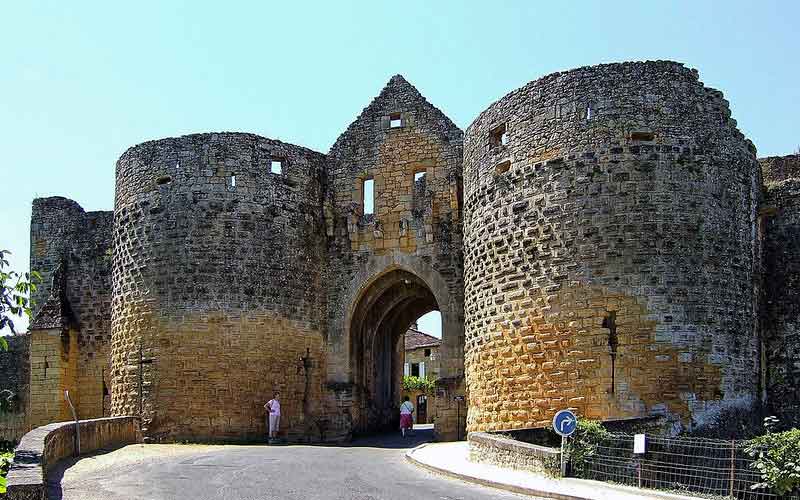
[44, 446]
[497, 450]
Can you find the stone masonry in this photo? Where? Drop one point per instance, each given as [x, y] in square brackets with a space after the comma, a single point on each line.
[609, 250]
[15, 387]
[781, 316]
[593, 241]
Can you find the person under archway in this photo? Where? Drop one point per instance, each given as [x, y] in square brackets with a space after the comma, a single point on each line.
[406, 412]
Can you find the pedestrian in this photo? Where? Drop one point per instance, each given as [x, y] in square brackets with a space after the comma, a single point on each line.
[273, 408]
[406, 410]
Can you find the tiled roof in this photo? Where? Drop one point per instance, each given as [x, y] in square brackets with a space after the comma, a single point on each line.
[415, 339]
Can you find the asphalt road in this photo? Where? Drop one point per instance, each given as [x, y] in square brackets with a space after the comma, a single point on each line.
[369, 469]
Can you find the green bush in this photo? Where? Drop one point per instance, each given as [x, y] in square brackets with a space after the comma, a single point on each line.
[584, 442]
[777, 457]
[411, 383]
[5, 464]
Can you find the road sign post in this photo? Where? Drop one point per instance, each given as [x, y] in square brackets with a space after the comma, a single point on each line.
[564, 424]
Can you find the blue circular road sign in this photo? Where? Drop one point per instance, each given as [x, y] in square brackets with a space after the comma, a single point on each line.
[564, 423]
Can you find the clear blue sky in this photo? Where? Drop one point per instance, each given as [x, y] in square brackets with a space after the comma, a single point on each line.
[82, 81]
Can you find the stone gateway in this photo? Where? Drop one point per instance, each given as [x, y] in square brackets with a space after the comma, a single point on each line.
[600, 239]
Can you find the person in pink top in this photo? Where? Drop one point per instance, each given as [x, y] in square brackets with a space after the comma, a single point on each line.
[273, 408]
[406, 412]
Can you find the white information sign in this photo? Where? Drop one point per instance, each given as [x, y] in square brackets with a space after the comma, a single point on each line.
[638, 443]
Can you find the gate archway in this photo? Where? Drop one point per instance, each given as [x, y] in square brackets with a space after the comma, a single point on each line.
[382, 314]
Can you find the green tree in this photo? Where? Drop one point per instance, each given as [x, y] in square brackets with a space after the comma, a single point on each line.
[15, 290]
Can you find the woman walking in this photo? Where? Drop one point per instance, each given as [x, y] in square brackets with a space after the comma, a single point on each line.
[406, 410]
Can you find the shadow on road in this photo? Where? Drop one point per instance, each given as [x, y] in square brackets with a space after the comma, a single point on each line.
[394, 440]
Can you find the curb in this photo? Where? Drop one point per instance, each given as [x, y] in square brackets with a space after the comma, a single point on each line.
[485, 482]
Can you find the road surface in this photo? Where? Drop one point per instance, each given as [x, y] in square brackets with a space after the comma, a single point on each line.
[368, 469]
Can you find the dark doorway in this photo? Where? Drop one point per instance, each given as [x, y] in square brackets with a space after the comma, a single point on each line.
[422, 409]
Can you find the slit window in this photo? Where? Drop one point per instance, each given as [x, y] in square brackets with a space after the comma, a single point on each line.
[395, 120]
[232, 181]
[276, 166]
[368, 201]
[589, 112]
[498, 136]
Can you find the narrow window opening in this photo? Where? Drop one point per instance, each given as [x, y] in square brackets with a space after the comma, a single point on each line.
[427, 353]
[498, 136]
[395, 120]
[164, 179]
[642, 135]
[588, 112]
[502, 167]
[610, 322]
[368, 201]
[232, 181]
[415, 369]
[177, 165]
[276, 166]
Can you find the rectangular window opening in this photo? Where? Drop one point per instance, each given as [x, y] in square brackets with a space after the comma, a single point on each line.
[395, 120]
[642, 135]
[498, 136]
[427, 353]
[276, 166]
[368, 193]
[232, 181]
[588, 112]
[415, 369]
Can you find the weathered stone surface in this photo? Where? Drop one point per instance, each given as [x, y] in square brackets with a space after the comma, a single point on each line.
[388, 268]
[781, 318]
[506, 452]
[615, 218]
[217, 286]
[15, 372]
[71, 249]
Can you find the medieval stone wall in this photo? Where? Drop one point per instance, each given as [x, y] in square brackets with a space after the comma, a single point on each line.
[610, 241]
[15, 372]
[65, 237]
[217, 286]
[781, 317]
[412, 152]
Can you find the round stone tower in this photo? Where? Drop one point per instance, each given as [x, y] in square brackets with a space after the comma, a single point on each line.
[217, 296]
[609, 250]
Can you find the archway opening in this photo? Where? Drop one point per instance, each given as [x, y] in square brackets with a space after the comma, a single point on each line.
[383, 314]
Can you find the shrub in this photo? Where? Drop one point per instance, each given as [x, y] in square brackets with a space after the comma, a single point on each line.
[411, 383]
[5, 463]
[584, 442]
[777, 457]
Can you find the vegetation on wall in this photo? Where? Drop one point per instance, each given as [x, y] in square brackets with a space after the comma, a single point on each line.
[412, 383]
[15, 289]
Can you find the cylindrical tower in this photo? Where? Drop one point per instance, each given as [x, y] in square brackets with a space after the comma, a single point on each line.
[609, 260]
[217, 299]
